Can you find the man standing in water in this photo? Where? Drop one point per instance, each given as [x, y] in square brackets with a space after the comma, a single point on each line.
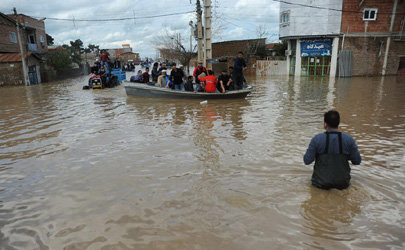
[331, 151]
[238, 68]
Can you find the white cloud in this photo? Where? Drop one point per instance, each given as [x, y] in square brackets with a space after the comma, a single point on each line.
[238, 19]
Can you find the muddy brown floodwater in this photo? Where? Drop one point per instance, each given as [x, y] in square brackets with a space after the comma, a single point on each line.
[84, 169]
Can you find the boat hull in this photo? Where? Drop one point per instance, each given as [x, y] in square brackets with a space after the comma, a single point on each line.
[143, 90]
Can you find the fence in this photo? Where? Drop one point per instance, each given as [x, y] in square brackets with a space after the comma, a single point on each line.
[271, 68]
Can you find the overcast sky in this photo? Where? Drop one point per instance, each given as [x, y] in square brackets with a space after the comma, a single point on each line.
[237, 19]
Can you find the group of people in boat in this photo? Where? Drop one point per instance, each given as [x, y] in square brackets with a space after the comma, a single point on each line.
[202, 80]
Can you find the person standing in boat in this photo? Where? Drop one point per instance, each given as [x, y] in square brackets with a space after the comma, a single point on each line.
[155, 73]
[331, 152]
[163, 67]
[176, 78]
[238, 68]
[197, 72]
[163, 79]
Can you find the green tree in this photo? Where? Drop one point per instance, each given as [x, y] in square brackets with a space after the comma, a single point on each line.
[280, 48]
[59, 59]
[49, 39]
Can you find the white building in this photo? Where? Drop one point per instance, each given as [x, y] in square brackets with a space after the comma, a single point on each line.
[312, 29]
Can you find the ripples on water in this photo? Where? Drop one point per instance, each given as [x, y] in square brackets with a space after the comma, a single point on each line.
[100, 170]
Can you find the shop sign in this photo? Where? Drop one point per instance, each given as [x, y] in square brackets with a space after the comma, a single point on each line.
[316, 48]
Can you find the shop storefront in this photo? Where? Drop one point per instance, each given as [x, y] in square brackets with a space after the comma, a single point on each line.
[316, 57]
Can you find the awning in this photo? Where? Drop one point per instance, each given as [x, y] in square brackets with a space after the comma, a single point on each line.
[13, 57]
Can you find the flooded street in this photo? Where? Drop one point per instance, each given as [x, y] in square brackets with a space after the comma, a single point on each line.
[96, 169]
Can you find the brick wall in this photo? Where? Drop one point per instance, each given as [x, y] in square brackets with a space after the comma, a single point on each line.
[39, 27]
[353, 22]
[11, 74]
[5, 28]
[367, 57]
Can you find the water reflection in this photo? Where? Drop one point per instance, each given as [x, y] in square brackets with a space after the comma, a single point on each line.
[97, 169]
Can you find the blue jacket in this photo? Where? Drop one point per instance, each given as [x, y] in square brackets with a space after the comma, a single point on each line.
[318, 143]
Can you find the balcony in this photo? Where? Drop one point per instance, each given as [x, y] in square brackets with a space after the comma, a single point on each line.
[32, 47]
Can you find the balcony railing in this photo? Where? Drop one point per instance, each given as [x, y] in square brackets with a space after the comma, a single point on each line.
[32, 47]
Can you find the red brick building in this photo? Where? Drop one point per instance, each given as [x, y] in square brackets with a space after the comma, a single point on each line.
[33, 39]
[373, 31]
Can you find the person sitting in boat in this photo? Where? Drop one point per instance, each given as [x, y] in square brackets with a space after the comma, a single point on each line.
[145, 76]
[197, 72]
[155, 72]
[189, 84]
[176, 78]
[163, 79]
[223, 81]
[210, 82]
[139, 77]
[230, 84]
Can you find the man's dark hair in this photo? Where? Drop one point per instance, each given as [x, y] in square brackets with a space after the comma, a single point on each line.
[146, 68]
[230, 67]
[190, 77]
[240, 52]
[173, 64]
[332, 118]
[210, 72]
[155, 64]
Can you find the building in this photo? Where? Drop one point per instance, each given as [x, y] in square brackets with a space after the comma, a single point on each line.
[372, 31]
[312, 35]
[366, 35]
[34, 45]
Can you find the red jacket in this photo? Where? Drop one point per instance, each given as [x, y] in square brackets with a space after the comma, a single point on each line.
[198, 71]
[210, 83]
[104, 57]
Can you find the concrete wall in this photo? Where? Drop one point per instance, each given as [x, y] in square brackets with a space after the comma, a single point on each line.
[271, 68]
[306, 21]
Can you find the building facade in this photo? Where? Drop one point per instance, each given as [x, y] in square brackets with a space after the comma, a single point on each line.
[312, 35]
[372, 31]
[320, 32]
[34, 45]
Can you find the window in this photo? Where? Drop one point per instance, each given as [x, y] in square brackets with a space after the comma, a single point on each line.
[285, 17]
[41, 39]
[370, 14]
[13, 37]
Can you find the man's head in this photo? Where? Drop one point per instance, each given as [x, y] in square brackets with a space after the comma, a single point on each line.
[200, 64]
[181, 67]
[331, 119]
[147, 69]
[240, 54]
[155, 65]
[164, 72]
[173, 66]
[230, 69]
[163, 65]
[95, 64]
[211, 73]
[223, 72]
[190, 78]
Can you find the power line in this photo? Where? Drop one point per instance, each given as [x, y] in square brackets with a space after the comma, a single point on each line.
[115, 19]
[332, 9]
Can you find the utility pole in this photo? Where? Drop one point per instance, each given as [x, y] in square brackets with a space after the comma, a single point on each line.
[207, 33]
[25, 77]
[199, 32]
[387, 49]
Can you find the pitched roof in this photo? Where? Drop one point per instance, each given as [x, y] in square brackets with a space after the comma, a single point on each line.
[12, 57]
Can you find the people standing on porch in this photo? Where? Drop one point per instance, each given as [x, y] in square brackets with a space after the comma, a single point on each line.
[238, 68]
